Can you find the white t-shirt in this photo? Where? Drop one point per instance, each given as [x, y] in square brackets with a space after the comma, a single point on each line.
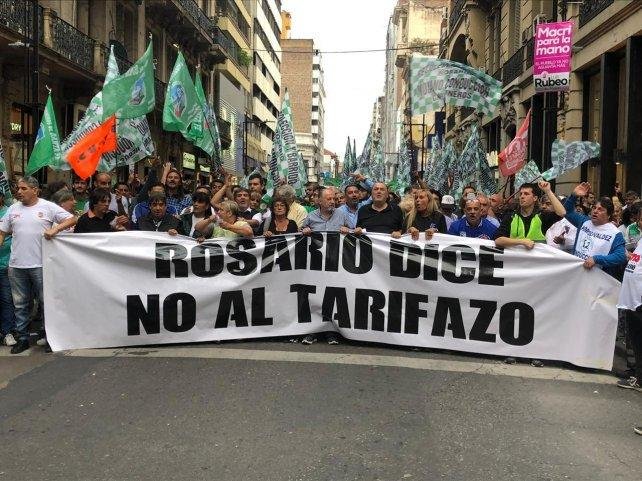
[27, 225]
[593, 240]
[631, 292]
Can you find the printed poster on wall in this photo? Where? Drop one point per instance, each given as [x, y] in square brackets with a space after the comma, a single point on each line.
[552, 56]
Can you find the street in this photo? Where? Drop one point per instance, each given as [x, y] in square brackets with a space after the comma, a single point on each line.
[276, 411]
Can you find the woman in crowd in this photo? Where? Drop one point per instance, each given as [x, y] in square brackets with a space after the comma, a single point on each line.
[226, 222]
[278, 223]
[98, 218]
[424, 216]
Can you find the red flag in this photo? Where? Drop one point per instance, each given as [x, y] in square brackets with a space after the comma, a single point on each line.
[85, 155]
[513, 157]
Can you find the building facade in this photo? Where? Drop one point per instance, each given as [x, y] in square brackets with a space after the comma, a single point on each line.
[497, 36]
[70, 57]
[414, 26]
[302, 76]
[266, 81]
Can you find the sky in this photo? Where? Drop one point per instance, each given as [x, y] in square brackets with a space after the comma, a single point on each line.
[352, 81]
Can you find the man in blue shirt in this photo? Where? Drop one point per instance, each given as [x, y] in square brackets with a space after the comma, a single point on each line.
[473, 224]
[326, 218]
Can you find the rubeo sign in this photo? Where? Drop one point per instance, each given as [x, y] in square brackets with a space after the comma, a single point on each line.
[552, 56]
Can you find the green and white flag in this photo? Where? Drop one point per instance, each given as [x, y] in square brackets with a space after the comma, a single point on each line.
[211, 140]
[437, 82]
[527, 174]
[448, 169]
[289, 162]
[46, 149]
[5, 188]
[182, 111]
[347, 165]
[566, 157]
[363, 164]
[402, 177]
[272, 179]
[131, 94]
[377, 167]
[134, 136]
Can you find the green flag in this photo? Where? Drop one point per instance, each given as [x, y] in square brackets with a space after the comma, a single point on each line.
[46, 150]
[182, 111]
[435, 82]
[528, 174]
[4, 179]
[134, 136]
[210, 142]
[290, 165]
[402, 176]
[565, 157]
[131, 94]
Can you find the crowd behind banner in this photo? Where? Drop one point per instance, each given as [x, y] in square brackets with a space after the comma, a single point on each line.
[603, 231]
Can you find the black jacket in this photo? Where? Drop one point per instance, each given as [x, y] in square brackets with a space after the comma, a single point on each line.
[168, 222]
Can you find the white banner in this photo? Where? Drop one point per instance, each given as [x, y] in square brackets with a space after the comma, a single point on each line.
[134, 288]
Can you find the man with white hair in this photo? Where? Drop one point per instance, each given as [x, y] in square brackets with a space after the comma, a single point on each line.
[28, 221]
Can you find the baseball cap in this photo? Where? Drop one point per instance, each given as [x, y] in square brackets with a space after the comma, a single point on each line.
[447, 200]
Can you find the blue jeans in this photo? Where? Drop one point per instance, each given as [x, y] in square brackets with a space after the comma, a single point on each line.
[26, 287]
[7, 312]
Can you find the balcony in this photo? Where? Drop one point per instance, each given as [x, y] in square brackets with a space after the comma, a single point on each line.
[225, 48]
[455, 14]
[71, 43]
[197, 16]
[184, 20]
[14, 13]
[530, 50]
[513, 67]
[230, 10]
[224, 132]
[590, 10]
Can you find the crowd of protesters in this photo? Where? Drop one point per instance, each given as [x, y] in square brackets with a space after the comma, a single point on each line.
[602, 231]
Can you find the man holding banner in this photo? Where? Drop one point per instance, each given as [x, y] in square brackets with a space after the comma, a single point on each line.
[28, 221]
[599, 242]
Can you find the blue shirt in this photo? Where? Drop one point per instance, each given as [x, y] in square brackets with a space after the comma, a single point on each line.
[318, 223]
[352, 215]
[461, 228]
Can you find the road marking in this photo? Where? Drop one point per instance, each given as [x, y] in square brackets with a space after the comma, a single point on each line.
[486, 367]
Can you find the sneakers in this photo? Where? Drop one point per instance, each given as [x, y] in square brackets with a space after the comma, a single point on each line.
[510, 360]
[42, 342]
[9, 340]
[637, 430]
[20, 346]
[309, 339]
[537, 363]
[630, 383]
[332, 339]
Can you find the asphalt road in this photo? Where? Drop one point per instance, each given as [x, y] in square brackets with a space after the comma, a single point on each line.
[274, 411]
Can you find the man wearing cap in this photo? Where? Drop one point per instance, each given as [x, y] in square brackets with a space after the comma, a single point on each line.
[448, 209]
